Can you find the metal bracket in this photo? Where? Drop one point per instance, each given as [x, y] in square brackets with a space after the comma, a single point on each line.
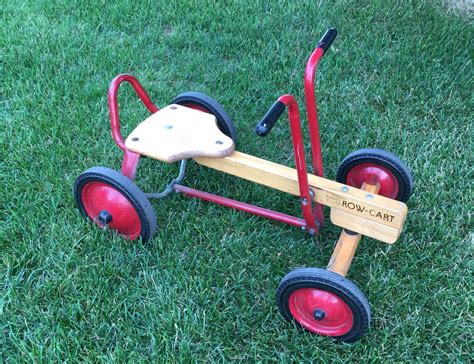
[169, 188]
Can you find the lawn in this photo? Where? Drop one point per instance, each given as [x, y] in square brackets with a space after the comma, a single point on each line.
[399, 77]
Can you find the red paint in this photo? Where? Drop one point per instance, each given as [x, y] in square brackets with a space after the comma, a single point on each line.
[242, 206]
[98, 196]
[370, 173]
[196, 107]
[298, 150]
[338, 318]
[113, 104]
[311, 110]
[130, 160]
[130, 164]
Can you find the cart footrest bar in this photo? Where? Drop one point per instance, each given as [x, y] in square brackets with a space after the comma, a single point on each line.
[251, 209]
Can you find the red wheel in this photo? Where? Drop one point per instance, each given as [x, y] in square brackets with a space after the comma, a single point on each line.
[369, 165]
[110, 199]
[324, 303]
[202, 102]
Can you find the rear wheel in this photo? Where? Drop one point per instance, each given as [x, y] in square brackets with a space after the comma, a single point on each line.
[112, 200]
[365, 165]
[324, 303]
[202, 102]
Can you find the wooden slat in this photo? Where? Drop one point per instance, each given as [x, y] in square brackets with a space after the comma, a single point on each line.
[365, 227]
[352, 201]
[372, 229]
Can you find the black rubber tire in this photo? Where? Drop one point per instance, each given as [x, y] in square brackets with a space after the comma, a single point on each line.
[127, 188]
[331, 282]
[224, 121]
[385, 159]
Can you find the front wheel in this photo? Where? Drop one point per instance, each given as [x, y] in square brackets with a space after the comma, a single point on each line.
[324, 303]
[365, 165]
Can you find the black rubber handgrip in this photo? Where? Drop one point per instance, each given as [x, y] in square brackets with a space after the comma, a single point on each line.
[327, 39]
[268, 121]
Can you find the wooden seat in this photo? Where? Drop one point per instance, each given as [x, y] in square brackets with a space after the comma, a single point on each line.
[177, 132]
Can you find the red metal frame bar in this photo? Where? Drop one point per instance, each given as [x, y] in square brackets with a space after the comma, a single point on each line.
[130, 164]
[312, 112]
[242, 206]
[298, 150]
[130, 160]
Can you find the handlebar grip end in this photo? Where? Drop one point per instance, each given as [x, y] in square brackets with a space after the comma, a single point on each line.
[327, 39]
[261, 130]
[268, 121]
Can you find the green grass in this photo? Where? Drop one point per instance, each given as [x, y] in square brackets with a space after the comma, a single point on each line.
[398, 77]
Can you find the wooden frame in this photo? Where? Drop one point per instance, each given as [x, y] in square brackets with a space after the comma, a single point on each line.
[376, 216]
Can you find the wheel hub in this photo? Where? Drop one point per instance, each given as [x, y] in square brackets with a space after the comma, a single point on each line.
[104, 217]
[321, 312]
[373, 173]
[107, 206]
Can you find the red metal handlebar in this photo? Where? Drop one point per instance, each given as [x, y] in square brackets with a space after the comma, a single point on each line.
[113, 104]
[300, 160]
[310, 97]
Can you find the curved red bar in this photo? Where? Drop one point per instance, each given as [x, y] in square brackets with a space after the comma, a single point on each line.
[298, 148]
[310, 97]
[113, 104]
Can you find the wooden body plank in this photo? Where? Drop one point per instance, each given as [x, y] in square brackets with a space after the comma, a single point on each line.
[371, 211]
[177, 132]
